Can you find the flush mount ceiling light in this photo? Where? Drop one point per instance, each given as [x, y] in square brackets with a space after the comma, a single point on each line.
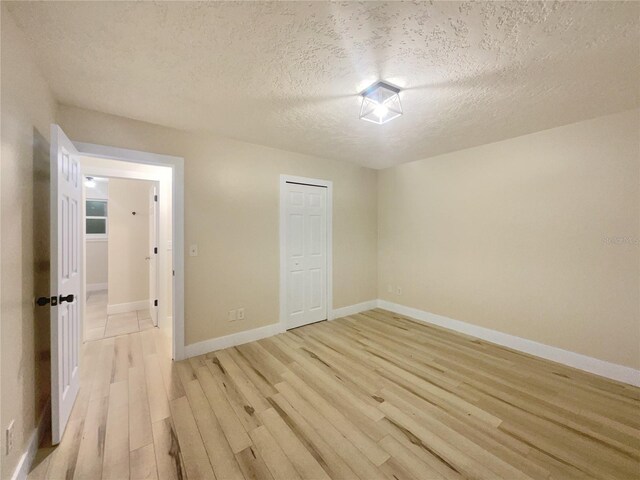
[380, 103]
[89, 182]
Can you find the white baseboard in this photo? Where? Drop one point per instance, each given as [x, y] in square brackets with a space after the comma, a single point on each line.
[555, 354]
[571, 359]
[232, 340]
[127, 307]
[247, 336]
[353, 309]
[97, 287]
[26, 460]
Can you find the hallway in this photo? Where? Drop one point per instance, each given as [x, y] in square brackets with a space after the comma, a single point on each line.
[100, 325]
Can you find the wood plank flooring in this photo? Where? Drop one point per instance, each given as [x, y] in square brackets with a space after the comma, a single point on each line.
[370, 396]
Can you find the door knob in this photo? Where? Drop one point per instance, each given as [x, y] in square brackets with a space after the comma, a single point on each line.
[68, 298]
[42, 301]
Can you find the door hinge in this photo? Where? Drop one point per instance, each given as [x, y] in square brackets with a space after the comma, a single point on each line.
[155, 303]
[155, 198]
[155, 250]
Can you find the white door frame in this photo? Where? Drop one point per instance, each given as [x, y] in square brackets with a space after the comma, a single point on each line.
[155, 253]
[177, 220]
[284, 179]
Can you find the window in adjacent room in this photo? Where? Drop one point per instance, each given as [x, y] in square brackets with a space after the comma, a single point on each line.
[96, 219]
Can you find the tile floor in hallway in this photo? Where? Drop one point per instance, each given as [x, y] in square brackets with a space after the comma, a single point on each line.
[100, 325]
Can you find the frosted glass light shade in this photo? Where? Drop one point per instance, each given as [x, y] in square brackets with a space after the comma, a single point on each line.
[380, 103]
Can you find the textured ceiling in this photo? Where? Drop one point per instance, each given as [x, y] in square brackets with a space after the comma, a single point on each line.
[288, 74]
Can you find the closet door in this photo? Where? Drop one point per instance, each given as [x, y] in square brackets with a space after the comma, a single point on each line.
[306, 254]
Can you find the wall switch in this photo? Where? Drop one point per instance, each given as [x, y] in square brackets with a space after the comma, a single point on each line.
[193, 250]
[9, 438]
[399, 290]
[241, 314]
[232, 315]
[390, 288]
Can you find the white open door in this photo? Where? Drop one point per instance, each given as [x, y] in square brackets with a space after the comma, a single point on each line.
[66, 215]
[153, 254]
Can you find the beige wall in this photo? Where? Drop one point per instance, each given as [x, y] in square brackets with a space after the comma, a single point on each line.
[28, 109]
[231, 212]
[97, 255]
[128, 241]
[516, 236]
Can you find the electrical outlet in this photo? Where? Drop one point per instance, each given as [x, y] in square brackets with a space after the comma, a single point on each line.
[193, 250]
[241, 314]
[232, 315]
[399, 290]
[390, 288]
[9, 438]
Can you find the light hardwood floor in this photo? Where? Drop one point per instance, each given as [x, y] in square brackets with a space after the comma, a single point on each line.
[371, 396]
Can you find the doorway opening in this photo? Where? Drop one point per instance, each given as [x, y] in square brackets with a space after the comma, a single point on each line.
[121, 243]
[68, 227]
[139, 248]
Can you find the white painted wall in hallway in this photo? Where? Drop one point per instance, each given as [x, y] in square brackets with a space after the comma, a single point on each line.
[128, 241]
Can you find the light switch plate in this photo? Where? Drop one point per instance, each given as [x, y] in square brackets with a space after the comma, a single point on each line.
[232, 315]
[241, 314]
